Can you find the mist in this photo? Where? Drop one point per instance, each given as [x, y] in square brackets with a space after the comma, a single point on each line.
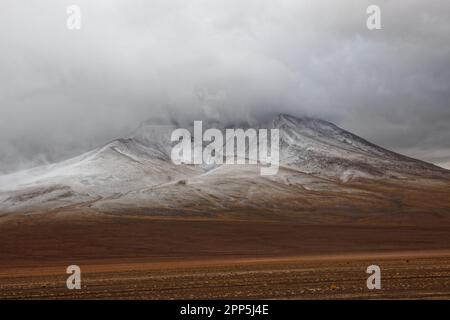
[67, 91]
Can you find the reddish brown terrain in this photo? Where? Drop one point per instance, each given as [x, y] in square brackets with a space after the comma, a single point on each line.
[141, 257]
[140, 226]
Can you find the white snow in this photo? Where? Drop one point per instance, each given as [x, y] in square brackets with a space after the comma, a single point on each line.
[137, 171]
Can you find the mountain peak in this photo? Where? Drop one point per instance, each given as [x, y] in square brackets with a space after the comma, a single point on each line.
[303, 121]
[312, 151]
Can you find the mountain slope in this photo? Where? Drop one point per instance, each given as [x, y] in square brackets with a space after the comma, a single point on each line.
[321, 148]
[326, 173]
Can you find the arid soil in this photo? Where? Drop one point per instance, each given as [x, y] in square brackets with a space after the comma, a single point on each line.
[404, 276]
[139, 257]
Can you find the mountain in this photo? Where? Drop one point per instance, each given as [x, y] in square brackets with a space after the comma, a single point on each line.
[325, 174]
[321, 148]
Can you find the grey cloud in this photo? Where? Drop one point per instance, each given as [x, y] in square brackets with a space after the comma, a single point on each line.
[63, 92]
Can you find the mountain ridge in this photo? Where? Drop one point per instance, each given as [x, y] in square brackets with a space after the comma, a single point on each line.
[321, 166]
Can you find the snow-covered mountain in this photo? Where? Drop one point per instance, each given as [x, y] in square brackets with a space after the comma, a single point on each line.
[321, 148]
[321, 165]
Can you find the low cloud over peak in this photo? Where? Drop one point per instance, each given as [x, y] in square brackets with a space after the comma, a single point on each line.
[66, 91]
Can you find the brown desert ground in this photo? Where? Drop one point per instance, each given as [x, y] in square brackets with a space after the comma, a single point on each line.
[143, 257]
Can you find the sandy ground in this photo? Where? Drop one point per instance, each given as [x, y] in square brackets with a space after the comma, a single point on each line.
[423, 275]
[154, 258]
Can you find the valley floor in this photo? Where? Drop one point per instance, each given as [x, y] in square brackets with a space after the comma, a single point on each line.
[139, 257]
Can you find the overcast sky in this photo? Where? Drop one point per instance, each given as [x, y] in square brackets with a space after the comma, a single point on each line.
[63, 92]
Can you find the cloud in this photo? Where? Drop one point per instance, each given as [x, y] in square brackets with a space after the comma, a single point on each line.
[64, 91]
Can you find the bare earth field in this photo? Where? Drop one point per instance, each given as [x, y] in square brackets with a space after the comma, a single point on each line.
[404, 276]
[141, 257]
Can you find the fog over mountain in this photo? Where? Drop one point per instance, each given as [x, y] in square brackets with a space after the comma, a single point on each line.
[318, 162]
[65, 92]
